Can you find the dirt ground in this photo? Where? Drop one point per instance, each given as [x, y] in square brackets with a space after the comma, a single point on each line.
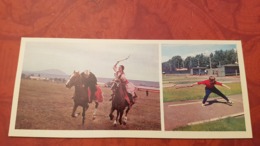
[48, 106]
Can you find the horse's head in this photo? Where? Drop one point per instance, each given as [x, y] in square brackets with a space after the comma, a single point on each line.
[74, 80]
[119, 89]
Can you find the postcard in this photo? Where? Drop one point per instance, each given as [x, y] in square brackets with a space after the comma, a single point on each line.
[102, 88]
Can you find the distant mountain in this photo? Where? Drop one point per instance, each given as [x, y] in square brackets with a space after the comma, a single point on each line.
[49, 73]
[53, 71]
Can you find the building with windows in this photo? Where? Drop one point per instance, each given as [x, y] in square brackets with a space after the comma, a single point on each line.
[225, 70]
[198, 71]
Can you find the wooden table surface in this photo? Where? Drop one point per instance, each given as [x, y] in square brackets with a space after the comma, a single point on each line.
[128, 19]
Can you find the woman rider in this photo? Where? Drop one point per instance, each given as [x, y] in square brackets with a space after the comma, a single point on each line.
[120, 75]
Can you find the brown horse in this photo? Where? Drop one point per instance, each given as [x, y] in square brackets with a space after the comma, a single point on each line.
[119, 103]
[80, 95]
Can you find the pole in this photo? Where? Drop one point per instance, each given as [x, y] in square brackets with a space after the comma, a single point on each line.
[210, 62]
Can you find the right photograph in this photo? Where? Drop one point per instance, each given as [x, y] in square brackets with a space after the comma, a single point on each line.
[202, 88]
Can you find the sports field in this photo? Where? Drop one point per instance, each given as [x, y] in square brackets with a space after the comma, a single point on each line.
[183, 110]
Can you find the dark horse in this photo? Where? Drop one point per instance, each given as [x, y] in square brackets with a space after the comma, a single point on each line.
[80, 95]
[119, 103]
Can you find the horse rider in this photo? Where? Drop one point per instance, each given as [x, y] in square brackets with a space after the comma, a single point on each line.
[120, 76]
[89, 81]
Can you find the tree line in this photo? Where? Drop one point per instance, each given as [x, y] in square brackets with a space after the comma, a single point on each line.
[214, 60]
[53, 79]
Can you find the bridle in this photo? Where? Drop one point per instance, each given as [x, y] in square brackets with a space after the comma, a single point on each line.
[77, 82]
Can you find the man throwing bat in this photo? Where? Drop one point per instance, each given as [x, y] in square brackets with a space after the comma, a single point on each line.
[210, 87]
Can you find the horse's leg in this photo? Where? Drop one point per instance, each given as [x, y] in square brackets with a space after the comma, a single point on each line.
[83, 115]
[121, 112]
[95, 110]
[117, 115]
[85, 108]
[126, 112]
[96, 106]
[111, 113]
[74, 110]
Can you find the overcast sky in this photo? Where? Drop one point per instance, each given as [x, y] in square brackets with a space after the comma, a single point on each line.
[185, 50]
[97, 56]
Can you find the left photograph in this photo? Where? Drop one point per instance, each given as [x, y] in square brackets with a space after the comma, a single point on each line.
[78, 84]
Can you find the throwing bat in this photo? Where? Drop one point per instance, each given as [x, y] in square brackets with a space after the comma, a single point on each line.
[182, 86]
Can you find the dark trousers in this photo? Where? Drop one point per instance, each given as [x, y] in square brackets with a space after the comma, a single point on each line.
[214, 90]
[93, 90]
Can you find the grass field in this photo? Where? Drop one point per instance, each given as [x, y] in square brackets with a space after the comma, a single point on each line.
[196, 92]
[187, 79]
[228, 124]
[48, 106]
